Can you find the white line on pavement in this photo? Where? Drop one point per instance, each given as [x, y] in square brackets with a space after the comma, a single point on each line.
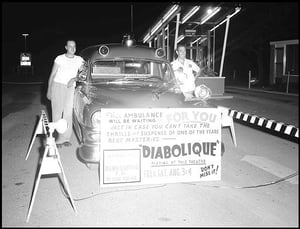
[271, 167]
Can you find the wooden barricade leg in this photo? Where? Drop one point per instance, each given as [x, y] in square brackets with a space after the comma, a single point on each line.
[50, 164]
[227, 121]
[36, 184]
[38, 130]
[232, 131]
[65, 181]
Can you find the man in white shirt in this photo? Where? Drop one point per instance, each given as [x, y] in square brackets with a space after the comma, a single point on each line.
[61, 86]
[184, 72]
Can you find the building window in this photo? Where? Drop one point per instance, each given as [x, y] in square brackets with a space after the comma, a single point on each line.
[292, 60]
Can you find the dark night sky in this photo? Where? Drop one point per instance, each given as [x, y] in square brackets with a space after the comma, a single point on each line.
[50, 24]
[95, 21]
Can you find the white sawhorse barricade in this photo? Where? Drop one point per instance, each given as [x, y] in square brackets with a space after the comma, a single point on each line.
[227, 121]
[51, 163]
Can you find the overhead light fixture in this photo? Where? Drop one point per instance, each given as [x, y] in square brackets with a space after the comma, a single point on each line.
[180, 38]
[204, 39]
[156, 27]
[190, 14]
[146, 38]
[237, 9]
[196, 40]
[153, 30]
[164, 19]
[170, 12]
[200, 39]
[210, 14]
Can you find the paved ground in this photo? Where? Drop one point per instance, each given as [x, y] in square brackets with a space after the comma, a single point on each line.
[244, 197]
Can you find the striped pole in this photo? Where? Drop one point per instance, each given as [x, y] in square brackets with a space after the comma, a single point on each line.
[265, 123]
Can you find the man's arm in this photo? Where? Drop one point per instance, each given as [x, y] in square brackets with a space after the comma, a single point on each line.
[74, 79]
[50, 81]
[196, 68]
[71, 81]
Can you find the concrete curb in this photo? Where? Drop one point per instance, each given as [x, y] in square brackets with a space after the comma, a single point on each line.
[7, 82]
[260, 91]
[265, 123]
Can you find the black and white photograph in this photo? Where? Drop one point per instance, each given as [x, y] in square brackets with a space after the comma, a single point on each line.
[150, 114]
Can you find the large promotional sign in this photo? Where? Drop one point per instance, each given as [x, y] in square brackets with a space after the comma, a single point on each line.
[163, 145]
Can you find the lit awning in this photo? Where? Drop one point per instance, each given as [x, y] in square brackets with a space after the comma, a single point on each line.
[195, 20]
